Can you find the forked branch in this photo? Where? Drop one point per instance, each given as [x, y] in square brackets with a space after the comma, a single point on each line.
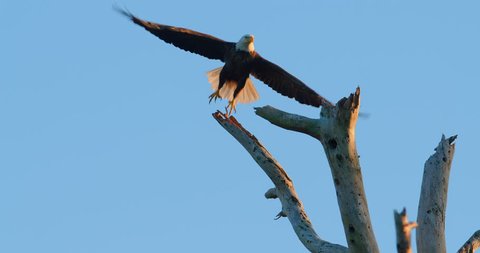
[292, 207]
[335, 129]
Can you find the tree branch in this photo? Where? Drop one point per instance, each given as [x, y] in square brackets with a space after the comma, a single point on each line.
[335, 129]
[292, 207]
[472, 244]
[404, 230]
[433, 198]
[289, 121]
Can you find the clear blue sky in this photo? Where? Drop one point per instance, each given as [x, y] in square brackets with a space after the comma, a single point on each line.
[107, 143]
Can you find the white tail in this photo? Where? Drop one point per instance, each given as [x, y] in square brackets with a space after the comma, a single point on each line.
[247, 95]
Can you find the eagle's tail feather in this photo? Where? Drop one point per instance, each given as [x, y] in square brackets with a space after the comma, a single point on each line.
[214, 77]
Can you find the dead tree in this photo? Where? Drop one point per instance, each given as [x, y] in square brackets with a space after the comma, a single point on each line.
[335, 129]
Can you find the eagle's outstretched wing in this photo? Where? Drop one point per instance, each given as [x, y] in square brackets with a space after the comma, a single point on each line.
[285, 83]
[186, 39]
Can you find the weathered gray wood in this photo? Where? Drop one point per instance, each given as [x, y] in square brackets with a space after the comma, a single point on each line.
[404, 231]
[430, 234]
[335, 129]
[292, 207]
[472, 244]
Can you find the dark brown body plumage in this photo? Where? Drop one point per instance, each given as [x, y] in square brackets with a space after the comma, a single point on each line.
[238, 66]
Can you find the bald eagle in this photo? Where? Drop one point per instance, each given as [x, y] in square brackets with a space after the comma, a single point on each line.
[232, 81]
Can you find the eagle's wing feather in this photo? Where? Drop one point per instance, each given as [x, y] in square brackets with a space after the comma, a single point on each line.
[186, 39]
[285, 83]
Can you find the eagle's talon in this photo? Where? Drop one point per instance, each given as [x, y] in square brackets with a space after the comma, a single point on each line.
[214, 96]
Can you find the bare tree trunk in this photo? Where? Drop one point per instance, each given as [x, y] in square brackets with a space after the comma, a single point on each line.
[336, 131]
[433, 198]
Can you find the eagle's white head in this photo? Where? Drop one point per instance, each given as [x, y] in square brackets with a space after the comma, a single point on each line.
[245, 43]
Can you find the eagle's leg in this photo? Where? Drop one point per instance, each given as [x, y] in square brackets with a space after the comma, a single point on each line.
[230, 107]
[214, 96]
[233, 102]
